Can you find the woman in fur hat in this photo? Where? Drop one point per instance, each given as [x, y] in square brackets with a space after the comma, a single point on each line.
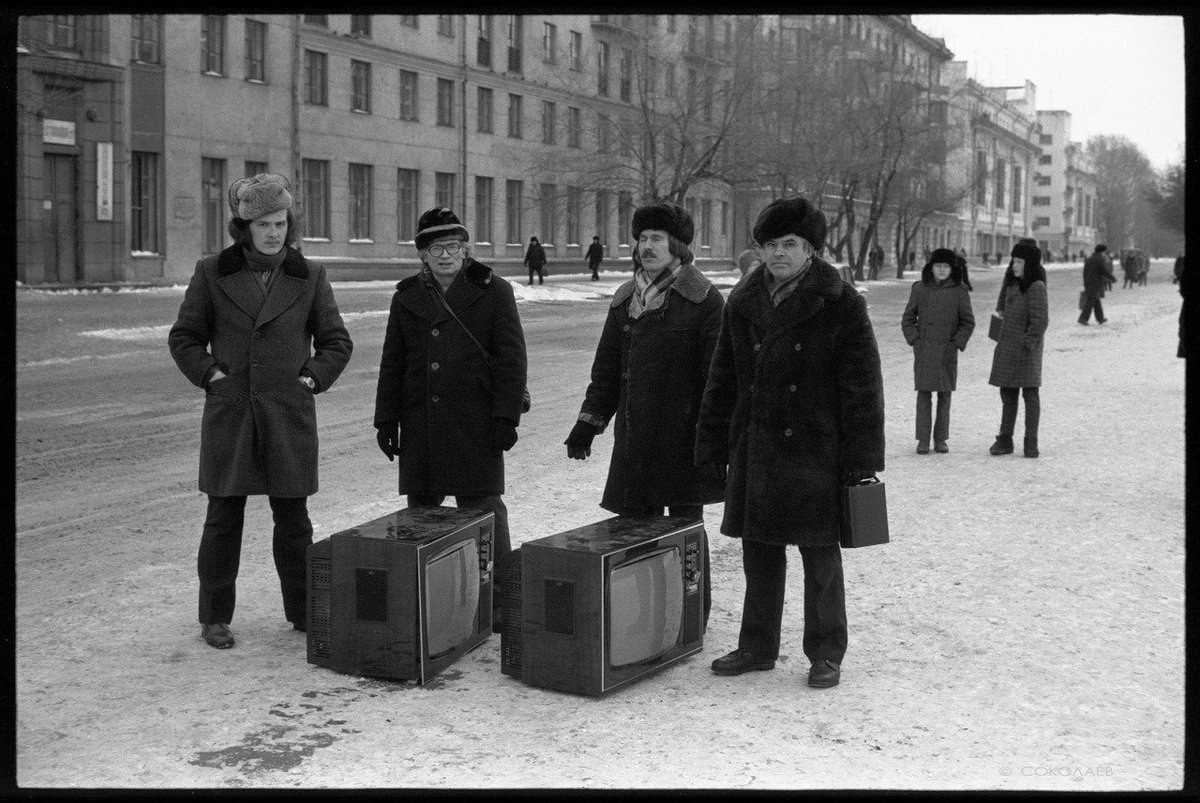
[937, 323]
[1017, 358]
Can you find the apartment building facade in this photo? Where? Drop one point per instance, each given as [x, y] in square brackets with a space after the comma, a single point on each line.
[1064, 196]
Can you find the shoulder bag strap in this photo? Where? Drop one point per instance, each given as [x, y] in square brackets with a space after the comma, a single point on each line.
[437, 292]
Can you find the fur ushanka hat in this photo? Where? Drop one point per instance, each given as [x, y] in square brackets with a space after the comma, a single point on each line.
[664, 216]
[943, 255]
[1027, 250]
[791, 216]
[438, 222]
[251, 198]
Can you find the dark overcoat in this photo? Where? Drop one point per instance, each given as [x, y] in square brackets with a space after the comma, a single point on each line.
[259, 430]
[1017, 358]
[437, 384]
[794, 398]
[1097, 274]
[535, 256]
[937, 323]
[648, 378]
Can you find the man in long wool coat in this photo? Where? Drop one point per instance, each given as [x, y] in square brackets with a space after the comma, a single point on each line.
[259, 330]
[794, 408]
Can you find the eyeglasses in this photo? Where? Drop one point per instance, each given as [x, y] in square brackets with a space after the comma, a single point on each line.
[450, 248]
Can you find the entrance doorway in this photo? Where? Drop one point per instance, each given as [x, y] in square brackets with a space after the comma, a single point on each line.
[60, 226]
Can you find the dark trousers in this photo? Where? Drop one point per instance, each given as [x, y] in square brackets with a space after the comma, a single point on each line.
[538, 271]
[1008, 411]
[1092, 303]
[695, 512]
[502, 542]
[925, 419]
[825, 627]
[221, 548]
[595, 272]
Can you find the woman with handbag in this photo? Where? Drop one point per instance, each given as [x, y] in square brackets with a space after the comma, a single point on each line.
[1017, 358]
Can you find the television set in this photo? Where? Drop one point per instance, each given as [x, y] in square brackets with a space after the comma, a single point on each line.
[598, 607]
[403, 596]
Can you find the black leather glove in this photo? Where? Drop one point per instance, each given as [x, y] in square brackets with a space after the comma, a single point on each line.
[579, 442]
[713, 472]
[388, 437]
[504, 434]
[854, 476]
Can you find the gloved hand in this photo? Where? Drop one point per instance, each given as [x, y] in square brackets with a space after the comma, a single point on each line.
[579, 442]
[388, 437]
[854, 476]
[504, 434]
[713, 472]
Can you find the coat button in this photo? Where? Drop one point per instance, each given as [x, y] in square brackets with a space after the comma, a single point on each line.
[796, 347]
[434, 366]
[434, 333]
[792, 388]
[257, 335]
[433, 399]
[625, 328]
[757, 346]
[787, 432]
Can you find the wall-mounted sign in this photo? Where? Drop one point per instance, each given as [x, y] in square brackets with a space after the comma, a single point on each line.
[58, 132]
[185, 207]
[104, 181]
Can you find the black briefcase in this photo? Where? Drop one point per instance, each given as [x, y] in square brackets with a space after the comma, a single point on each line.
[995, 325]
[864, 514]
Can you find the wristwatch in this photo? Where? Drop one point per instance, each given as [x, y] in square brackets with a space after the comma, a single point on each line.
[309, 381]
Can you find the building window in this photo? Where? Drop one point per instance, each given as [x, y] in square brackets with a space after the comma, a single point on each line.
[483, 110]
[670, 23]
[321, 20]
[1001, 175]
[705, 232]
[981, 173]
[1041, 222]
[409, 20]
[406, 203]
[602, 69]
[575, 54]
[443, 189]
[516, 34]
[550, 43]
[60, 31]
[549, 222]
[1045, 139]
[574, 214]
[1041, 200]
[253, 168]
[316, 78]
[483, 45]
[314, 175]
[514, 116]
[1045, 159]
[626, 70]
[1018, 188]
[408, 95]
[212, 44]
[549, 115]
[625, 216]
[574, 127]
[360, 25]
[147, 38]
[724, 218]
[360, 86]
[484, 187]
[1042, 181]
[360, 202]
[143, 202]
[512, 210]
[445, 24]
[256, 50]
[603, 133]
[602, 215]
[445, 102]
[212, 191]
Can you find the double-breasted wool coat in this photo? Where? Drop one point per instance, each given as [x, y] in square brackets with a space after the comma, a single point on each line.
[648, 377]
[937, 323]
[259, 430]
[441, 389]
[794, 399]
[1017, 357]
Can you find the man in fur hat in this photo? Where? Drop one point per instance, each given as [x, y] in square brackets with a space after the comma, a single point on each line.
[445, 409]
[794, 408]
[259, 330]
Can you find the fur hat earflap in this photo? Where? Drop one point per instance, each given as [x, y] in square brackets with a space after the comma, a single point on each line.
[438, 222]
[664, 216]
[1027, 250]
[791, 216]
[251, 198]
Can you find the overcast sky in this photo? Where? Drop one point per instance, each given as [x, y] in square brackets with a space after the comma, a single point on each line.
[1115, 74]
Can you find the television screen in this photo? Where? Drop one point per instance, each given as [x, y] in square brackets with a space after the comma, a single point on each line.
[645, 608]
[451, 597]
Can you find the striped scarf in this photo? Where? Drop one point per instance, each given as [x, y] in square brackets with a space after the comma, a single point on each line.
[780, 290]
[650, 293]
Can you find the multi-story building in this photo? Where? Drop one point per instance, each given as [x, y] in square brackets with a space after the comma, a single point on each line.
[131, 127]
[1064, 194]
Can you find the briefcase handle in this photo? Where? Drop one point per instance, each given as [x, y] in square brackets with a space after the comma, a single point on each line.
[867, 481]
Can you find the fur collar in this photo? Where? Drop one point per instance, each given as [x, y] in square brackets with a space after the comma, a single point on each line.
[691, 283]
[821, 285]
[231, 260]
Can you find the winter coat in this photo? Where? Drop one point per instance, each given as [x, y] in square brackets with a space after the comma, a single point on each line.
[1096, 274]
[437, 384]
[1017, 358]
[937, 323]
[794, 399]
[535, 256]
[595, 254]
[648, 377]
[259, 430]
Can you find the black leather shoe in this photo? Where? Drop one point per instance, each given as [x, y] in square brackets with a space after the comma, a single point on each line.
[940, 447]
[922, 447]
[824, 674]
[217, 635]
[740, 661]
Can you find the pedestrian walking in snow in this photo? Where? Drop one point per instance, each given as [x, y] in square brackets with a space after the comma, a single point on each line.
[937, 323]
[595, 255]
[1096, 273]
[535, 260]
[259, 330]
[1017, 358]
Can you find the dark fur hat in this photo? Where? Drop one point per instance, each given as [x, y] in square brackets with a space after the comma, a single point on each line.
[252, 198]
[791, 216]
[1027, 250]
[438, 222]
[664, 216]
[944, 255]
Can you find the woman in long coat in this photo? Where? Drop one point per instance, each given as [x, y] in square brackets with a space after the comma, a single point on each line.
[937, 323]
[1017, 358]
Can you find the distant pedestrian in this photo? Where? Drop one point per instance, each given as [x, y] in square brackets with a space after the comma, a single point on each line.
[595, 255]
[748, 260]
[259, 330]
[1129, 267]
[1096, 272]
[937, 323]
[1017, 358]
[535, 260]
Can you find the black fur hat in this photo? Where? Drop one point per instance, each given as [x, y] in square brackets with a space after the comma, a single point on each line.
[944, 255]
[664, 216]
[791, 216]
[438, 222]
[1027, 250]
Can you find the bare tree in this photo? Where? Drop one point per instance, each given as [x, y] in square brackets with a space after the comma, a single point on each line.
[1124, 179]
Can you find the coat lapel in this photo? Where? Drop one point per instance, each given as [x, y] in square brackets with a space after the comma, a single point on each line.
[284, 292]
[237, 283]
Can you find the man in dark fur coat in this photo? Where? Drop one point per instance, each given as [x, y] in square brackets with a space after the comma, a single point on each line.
[794, 407]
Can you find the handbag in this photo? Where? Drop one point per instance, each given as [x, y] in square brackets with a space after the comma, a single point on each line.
[526, 399]
[864, 514]
[994, 326]
[1082, 299]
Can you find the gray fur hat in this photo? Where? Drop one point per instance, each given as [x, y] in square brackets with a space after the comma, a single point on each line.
[251, 198]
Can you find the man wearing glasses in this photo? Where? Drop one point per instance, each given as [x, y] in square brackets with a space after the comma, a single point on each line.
[452, 379]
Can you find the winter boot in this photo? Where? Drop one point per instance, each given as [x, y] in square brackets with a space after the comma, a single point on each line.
[1031, 449]
[1003, 445]
[923, 446]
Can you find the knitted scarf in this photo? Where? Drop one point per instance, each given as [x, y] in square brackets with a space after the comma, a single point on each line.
[264, 266]
[650, 293]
